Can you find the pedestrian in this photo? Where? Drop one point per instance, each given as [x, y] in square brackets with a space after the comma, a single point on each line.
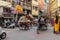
[40, 24]
[59, 23]
[52, 21]
[56, 25]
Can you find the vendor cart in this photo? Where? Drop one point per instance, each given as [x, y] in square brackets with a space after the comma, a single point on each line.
[24, 23]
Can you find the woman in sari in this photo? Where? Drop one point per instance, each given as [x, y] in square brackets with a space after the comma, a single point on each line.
[56, 25]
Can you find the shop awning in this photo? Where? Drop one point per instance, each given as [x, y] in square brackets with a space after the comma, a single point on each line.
[4, 3]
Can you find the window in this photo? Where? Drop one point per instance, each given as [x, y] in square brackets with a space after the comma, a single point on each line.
[22, 0]
[13, 3]
[35, 8]
[23, 4]
[36, 0]
[19, 3]
[7, 10]
[28, 0]
[4, 0]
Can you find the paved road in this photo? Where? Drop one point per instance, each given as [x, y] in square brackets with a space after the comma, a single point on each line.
[16, 34]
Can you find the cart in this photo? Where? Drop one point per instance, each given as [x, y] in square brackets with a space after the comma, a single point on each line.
[24, 24]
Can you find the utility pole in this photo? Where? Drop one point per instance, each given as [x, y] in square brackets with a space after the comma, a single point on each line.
[25, 7]
[16, 13]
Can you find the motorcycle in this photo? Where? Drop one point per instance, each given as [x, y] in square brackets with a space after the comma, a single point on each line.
[2, 34]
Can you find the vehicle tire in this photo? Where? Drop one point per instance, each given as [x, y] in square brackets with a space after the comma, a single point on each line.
[44, 28]
[3, 35]
[13, 27]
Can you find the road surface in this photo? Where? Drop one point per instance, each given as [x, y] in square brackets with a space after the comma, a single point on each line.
[16, 34]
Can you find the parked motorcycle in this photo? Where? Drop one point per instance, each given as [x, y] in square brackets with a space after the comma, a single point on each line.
[9, 25]
[2, 33]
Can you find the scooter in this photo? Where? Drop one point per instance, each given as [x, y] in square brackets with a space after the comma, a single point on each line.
[2, 34]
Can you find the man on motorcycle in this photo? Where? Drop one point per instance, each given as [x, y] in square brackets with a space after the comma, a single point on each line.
[41, 23]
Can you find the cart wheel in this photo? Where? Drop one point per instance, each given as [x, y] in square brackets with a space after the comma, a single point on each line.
[13, 27]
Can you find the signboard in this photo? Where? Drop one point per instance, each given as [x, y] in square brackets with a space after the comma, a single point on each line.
[13, 10]
[19, 9]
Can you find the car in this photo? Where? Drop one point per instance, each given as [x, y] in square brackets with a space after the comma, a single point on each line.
[2, 33]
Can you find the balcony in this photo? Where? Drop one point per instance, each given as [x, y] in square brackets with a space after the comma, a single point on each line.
[28, 1]
[7, 15]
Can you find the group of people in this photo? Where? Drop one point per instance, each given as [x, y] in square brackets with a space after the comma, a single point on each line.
[56, 19]
[42, 21]
[28, 18]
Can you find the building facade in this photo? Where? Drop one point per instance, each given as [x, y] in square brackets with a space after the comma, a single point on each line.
[35, 8]
[54, 6]
[41, 4]
[8, 1]
[26, 5]
[4, 9]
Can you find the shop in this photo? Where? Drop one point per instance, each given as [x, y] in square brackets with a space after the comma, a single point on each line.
[4, 10]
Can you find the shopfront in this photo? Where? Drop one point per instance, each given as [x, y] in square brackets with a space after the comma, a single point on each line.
[4, 9]
[7, 14]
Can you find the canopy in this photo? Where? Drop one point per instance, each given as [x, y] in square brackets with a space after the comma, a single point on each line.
[4, 3]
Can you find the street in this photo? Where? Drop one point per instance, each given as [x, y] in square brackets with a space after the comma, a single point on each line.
[16, 34]
[14, 13]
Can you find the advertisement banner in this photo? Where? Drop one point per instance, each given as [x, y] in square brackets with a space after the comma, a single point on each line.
[13, 10]
[19, 9]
